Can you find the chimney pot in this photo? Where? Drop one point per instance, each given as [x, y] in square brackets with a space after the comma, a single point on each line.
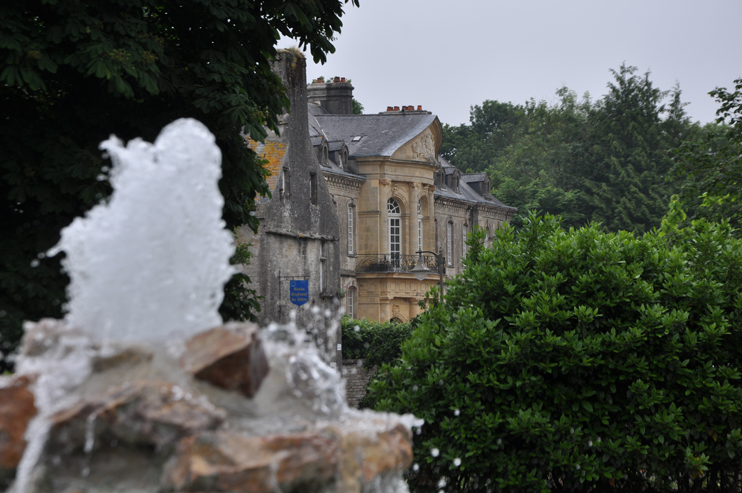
[396, 108]
[337, 79]
[342, 79]
[389, 108]
[419, 107]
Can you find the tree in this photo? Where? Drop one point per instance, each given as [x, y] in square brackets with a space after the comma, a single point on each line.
[712, 162]
[580, 361]
[73, 72]
[357, 107]
[627, 184]
[606, 161]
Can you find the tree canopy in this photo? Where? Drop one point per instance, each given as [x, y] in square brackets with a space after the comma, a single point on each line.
[74, 72]
[604, 160]
[580, 361]
[712, 162]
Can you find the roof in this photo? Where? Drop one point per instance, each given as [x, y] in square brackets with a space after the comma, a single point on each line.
[466, 193]
[369, 135]
[473, 177]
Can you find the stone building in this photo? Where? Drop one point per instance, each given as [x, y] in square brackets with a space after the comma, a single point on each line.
[298, 238]
[354, 198]
[394, 196]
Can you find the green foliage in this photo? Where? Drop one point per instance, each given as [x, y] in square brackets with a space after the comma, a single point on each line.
[582, 160]
[712, 162]
[376, 342]
[580, 361]
[357, 107]
[627, 185]
[73, 72]
[240, 301]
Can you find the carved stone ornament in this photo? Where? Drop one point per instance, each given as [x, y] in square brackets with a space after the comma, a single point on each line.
[384, 183]
[397, 191]
[423, 149]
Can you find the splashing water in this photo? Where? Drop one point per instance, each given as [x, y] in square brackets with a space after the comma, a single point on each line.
[152, 262]
[149, 267]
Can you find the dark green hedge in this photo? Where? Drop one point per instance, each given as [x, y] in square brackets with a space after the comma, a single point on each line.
[580, 361]
[376, 342]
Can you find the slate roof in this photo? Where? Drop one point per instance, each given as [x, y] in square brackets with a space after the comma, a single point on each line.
[465, 193]
[380, 135]
[473, 177]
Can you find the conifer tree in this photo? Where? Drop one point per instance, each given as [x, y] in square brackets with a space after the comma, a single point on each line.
[627, 187]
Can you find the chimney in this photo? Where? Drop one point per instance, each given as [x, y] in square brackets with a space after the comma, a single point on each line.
[419, 107]
[335, 96]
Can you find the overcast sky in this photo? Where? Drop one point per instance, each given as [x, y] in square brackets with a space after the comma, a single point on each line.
[449, 55]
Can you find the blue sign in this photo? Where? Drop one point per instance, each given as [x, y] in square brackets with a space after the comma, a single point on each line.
[299, 292]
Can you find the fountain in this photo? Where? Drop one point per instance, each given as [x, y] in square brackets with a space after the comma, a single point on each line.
[141, 388]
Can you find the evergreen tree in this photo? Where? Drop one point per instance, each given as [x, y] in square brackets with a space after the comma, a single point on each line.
[627, 186]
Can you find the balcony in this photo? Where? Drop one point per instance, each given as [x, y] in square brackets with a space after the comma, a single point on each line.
[393, 263]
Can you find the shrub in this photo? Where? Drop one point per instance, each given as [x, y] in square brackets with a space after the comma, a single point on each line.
[579, 360]
[376, 342]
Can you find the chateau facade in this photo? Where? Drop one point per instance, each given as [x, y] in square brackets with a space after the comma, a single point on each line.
[389, 193]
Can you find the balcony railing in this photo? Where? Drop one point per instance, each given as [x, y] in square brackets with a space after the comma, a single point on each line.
[393, 263]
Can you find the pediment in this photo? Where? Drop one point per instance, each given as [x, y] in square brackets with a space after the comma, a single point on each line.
[422, 148]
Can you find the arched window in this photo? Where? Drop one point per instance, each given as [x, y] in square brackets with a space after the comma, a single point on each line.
[420, 224]
[395, 231]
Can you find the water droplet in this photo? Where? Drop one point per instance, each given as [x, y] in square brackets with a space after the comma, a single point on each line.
[457, 462]
[456, 412]
[34, 263]
[434, 452]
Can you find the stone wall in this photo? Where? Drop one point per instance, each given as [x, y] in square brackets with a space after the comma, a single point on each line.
[356, 380]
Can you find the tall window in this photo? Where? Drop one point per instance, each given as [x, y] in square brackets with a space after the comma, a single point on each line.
[449, 244]
[313, 188]
[419, 225]
[350, 302]
[322, 266]
[350, 230]
[463, 240]
[395, 231]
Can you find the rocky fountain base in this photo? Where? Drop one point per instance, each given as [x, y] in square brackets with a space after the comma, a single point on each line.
[130, 394]
[235, 410]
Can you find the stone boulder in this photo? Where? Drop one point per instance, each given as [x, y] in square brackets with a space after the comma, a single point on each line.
[230, 357]
[17, 408]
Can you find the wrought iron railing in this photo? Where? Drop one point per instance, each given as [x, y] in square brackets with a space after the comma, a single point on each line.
[393, 263]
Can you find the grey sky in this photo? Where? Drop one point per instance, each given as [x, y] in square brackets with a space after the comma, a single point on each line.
[449, 55]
